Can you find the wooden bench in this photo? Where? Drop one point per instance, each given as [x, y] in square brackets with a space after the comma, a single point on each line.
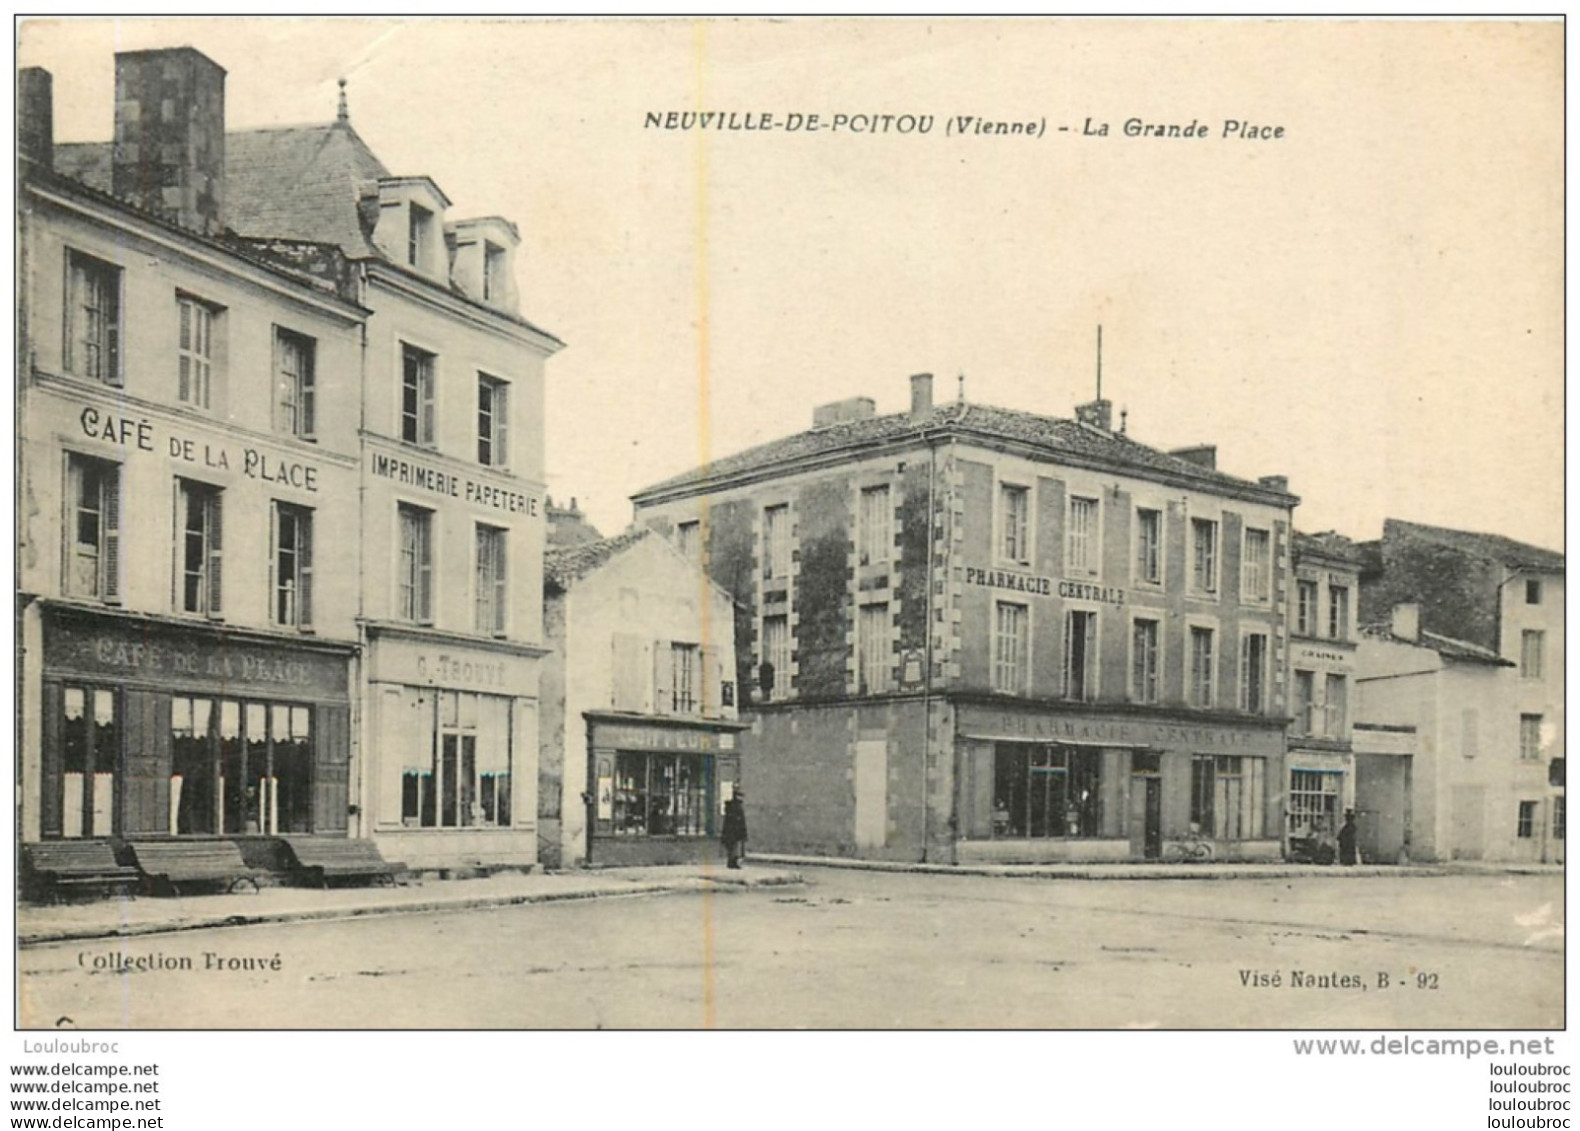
[319, 859]
[171, 863]
[59, 865]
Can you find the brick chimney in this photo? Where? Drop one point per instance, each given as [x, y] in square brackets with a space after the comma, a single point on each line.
[1406, 622]
[1275, 482]
[1202, 455]
[1098, 413]
[843, 412]
[921, 395]
[35, 117]
[169, 149]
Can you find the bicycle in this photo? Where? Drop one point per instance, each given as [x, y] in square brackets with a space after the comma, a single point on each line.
[1191, 849]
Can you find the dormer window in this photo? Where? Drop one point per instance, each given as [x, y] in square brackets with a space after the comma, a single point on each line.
[419, 235]
[493, 272]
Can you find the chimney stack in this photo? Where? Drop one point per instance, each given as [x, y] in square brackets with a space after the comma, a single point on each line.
[169, 149]
[1406, 622]
[1275, 482]
[1202, 455]
[1098, 413]
[921, 395]
[35, 117]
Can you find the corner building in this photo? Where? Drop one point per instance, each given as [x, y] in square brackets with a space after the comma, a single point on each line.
[972, 633]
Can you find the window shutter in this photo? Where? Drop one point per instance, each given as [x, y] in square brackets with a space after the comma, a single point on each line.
[74, 315]
[111, 517]
[712, 678]
[663, 678]
[304, 570]
[276, 407]
[501, 426]
[499, 582]
[215, 556]
[424, 568]
[309, 390]
[425, 377]
[111, 361]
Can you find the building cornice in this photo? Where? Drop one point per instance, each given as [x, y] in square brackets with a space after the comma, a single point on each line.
[427, 635]
[419, 288]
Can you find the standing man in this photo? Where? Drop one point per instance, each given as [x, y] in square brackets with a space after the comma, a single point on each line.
[735, 827]
[1347, 853]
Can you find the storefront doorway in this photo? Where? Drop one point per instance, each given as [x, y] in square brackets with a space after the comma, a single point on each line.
[1146, 804]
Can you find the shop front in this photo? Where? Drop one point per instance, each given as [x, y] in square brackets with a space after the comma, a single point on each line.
[658, 787]
[452, 759]
[153, 728]
[1040, 786]
[1321, 790]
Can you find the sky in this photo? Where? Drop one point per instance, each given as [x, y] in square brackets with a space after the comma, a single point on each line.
[1370, 303]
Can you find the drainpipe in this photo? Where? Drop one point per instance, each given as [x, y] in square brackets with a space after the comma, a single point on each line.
[927, 651]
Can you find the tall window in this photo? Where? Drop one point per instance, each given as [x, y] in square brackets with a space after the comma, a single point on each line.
[1533, 591]
[1081, 537]
[687, 538]
[293, 565]
[776, 541]
[1201, 661]
[195, 350]
[1305, 699]
[93, 319]
[1014, 504]
[776, 654]
[1080, 654]
[240, 767]
[416, 396]
[1226, 801]
[494, 289]
[1257, 581]
[685, 683]
[1313, 803]
[1253, 672]
[415, 565]
[295, 384]
[90, 756]
[1530, 738]
[1532, 642]
[876, 526]
[492, 419]
[1338, 706]
[1144, 661]
[457, 769]
[1338, 612]
[1306, 608]
[1559, 817]
[1526, 827]
[490, 585]
[663, 794]
[1204, 555]
[418, 228]
[1046, 791]
[1149, 546]
[198, 547]
[93, 536]
[1009, 647]
[874, 633]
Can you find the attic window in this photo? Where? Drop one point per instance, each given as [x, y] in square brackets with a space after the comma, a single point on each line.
[417, 232]
[493, 272]
[1533, 591]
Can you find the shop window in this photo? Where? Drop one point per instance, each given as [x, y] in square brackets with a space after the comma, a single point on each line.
[1257, 569]
[196, 355]
[1201, 667]
[1305, 692]
[93, 520]
[199, 547]
[93, 319]
[1526, 826]
[664, 794]
[293, 566]
[775, 680]
[490, 585]
[1204, 555]
[1253, 672]
[1532, 645]
[1080, 655]
[1306, 608]
[776, 541]
[875, 637]
[295, 384]
[1010, 625]
[1149, 546]
[1338, 612]
[876, 525]
[1014, 507]
[193, 775]
[467, 781]
[416, 396]
[1313, 803]
[1144, 661]
[1081, 545]
[90, 754]
[415, 565]
[1046, 791]
[493, 418]
[266, 756]
[1226, 796]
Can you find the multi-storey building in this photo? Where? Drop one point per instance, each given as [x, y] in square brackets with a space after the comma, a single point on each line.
[966, 632]
[389, 408]
[639, 733]
[1322, 632]
[1500, 773]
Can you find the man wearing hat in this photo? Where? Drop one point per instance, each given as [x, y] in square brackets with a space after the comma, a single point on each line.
[735, 827]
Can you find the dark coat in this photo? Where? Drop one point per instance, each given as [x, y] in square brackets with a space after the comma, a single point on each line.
[734, 821]
[1347, 843]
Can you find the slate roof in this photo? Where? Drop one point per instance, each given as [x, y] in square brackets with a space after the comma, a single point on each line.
[1328, 544]
[1515, 555]
[1445, 646]
[1082, 443]
[563, 566]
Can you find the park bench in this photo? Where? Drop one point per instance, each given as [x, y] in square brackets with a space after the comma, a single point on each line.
[58, 866]
[321, 859]
[172, 863]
